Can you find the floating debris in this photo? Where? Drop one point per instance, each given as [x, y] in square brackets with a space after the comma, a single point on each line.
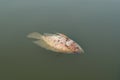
[56, 42]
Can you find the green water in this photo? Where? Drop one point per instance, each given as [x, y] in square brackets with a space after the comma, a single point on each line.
[94, 24]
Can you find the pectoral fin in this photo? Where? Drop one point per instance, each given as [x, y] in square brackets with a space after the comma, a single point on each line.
[43, 44]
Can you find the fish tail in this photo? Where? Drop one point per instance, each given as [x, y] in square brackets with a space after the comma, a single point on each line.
[35, 35]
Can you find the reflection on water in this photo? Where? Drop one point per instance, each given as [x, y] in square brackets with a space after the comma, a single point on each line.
[92, 24]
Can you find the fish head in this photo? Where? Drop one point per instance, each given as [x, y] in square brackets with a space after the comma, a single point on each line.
[74, 47]
[78, 50]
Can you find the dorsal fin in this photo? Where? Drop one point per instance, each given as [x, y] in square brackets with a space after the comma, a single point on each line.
[63, 35]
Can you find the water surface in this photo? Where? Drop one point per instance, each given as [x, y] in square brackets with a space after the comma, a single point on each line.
[94, 24]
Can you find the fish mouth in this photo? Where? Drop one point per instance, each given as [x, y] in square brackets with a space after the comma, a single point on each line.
[81, 51]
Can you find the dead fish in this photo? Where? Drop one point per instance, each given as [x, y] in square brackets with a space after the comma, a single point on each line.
[57, 42]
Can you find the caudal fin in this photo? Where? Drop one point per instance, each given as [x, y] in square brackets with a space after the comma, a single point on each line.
[34, 35]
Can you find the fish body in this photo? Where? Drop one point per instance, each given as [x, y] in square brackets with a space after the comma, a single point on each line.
[56, 42]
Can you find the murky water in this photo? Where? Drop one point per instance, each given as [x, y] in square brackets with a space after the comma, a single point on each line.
[94, 24]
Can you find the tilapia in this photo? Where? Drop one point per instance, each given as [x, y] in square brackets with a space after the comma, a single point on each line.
[57, 42]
